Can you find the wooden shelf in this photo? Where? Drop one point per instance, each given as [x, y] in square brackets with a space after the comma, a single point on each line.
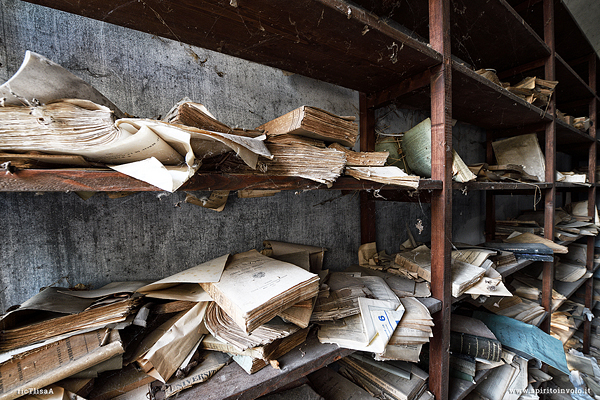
[571, 139]
[578, 323]
[380, 49]
[474, 29]
[546, 314]
[571, 43]
[63, 180]
[330, 40]
[567, 289]
[571, 88]
[573, 94]
[232, 382]
[500, 186]
[479, 101]
[572, 186]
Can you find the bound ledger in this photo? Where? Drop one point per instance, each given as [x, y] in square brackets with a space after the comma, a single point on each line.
[270, 286]
[314, 123]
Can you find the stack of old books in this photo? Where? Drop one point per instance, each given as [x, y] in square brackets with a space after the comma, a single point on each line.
[534, 90]
[296, 141]
[60, 333]
[172, 333]
[469, 266]
[500, 173]
[360, 311]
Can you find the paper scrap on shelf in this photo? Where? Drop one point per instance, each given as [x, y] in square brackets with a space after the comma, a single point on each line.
[209, 271]
[524, 150]
[44, 80]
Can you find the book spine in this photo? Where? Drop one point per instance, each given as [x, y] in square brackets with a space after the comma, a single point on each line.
[286, 123]
[475, 346]
[363, 372]
[55, 362]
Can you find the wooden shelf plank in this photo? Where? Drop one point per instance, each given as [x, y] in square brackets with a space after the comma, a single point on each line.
[500, 186]
[62, 180]
[571, 186]
[508, 269]
[521, 44]
[571, 140]
[330, 40]
[232, 382]
[567, 289]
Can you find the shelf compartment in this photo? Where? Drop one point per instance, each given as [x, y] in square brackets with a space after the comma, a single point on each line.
[572, 93]
[569, 135]
[474, 29]
[571, 43]
[63, 180]
[509, 269]
[481, 102]
[571, 88]
[330, 40]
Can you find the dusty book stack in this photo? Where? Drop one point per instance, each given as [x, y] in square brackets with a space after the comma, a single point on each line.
[80, 127]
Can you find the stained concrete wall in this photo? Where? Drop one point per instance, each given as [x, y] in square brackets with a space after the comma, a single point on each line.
[57, 237]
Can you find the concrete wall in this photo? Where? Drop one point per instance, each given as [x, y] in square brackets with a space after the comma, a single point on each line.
[57, 237]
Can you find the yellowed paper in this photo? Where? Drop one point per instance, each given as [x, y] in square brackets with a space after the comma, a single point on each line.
[45, 80]
[269, 286]
[460, 171]
[366, 252]
[167, 354]
[388, 175]
[216, 201]
[251, 194]
[201, 373]
[209, 271]
[522, 150]
[183, 291]
[490, 285]
[277, 249]
[152, 171]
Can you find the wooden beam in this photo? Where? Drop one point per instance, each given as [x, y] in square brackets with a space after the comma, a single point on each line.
[69, 180]
[490, 198]
[417, 196]
[388, 95]
[592, 163]
[522, 68]
[521, 7]
[441, 204]
[550, 153]
[592, 78]
[367, 143]
[576, 103]
[581, 60]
